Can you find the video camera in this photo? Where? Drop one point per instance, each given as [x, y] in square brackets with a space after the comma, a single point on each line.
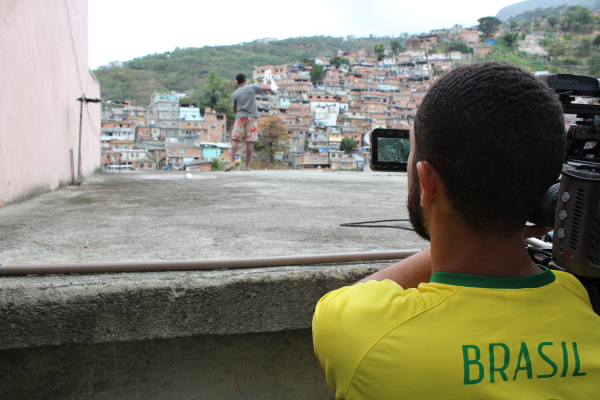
[571, 207]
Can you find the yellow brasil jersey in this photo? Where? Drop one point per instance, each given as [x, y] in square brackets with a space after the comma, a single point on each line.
[461, 337]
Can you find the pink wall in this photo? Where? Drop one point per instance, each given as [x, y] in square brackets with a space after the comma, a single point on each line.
[39, 116]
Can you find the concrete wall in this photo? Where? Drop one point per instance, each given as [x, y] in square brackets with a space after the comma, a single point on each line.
[275, 365]
[232, 334]
[40, 82]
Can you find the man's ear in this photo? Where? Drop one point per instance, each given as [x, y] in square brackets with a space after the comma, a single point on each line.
[430, 182]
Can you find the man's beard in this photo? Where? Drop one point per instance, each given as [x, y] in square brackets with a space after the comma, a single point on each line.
[413, 204]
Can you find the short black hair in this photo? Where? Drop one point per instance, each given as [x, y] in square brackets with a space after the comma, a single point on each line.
[496, 135]
[240, 78]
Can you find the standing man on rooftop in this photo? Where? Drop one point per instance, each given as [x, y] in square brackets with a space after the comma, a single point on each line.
[246, 118]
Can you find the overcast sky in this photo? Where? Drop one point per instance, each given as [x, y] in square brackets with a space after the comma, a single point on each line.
[125, 29]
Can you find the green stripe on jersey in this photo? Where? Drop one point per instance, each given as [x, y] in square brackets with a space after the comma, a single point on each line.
[489, 282]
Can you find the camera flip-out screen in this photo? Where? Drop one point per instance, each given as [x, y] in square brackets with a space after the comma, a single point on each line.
[390, 149]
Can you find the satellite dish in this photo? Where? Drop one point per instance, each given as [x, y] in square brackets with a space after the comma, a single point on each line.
[367, 138]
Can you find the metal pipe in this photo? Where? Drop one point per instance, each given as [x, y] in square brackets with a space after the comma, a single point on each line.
[79, 173]
[187, 265]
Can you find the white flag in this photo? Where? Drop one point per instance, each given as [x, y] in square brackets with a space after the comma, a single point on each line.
[268, 80]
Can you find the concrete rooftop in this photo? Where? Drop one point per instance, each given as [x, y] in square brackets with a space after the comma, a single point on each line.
[163, 216]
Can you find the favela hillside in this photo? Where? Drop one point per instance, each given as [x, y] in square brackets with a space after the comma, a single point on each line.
[177, 111]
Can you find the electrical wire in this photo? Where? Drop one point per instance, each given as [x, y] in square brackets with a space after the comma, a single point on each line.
[94, 131]
[365, 224]
[74, 50]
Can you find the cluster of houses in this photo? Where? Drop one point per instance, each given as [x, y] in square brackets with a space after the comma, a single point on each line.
[354, 99]
[164, 135]
[351, 101]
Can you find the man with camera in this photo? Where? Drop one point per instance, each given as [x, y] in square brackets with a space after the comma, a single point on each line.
[471, 317]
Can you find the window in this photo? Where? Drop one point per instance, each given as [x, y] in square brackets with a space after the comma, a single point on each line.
[125, 146]
[116, 147]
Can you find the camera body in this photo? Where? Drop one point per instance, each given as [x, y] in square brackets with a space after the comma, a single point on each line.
[576, 238]
[572, 207]
[390, 149]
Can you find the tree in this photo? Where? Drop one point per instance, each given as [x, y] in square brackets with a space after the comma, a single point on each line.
[594, 65]
[488, 25]
[509, 39]
[316, 73]
[571, 61]
[596, 41]
[557, 49]
[582, 15]
[459, 46]
[378, 49]
[396, 47]
[224, 105]
[348, 145]
[337, 61]
[274, 133]
[584, 47]
[213, 88]
[552, 20]
[513, 24]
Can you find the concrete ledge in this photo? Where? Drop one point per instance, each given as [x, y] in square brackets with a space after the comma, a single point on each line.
[274, 365]
[77, 309]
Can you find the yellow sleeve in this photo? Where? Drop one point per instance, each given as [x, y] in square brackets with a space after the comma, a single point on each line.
[573, 284]
[350, 320]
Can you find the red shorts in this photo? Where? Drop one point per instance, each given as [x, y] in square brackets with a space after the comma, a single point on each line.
[245, 129]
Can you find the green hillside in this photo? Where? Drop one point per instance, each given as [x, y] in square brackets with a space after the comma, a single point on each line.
[184, 69]
[523, 6]
[569, 38]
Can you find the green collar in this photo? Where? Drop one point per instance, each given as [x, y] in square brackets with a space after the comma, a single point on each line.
[488, 282]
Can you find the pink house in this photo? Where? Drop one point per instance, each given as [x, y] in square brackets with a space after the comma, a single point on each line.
[43, 74]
